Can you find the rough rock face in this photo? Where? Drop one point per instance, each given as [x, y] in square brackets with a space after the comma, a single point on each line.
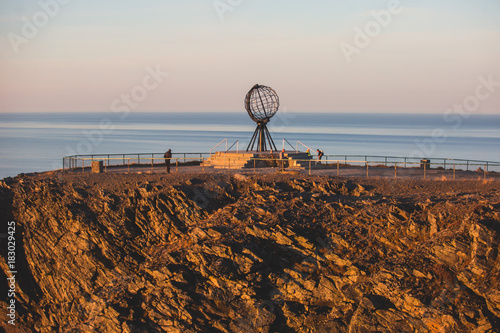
[275, 253]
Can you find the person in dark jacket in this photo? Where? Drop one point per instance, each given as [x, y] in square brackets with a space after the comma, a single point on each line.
[320, 154]
[282, 159]
[168, 156]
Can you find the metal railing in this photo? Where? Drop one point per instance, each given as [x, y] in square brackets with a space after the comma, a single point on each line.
[422, 170]
[138, 159]
[237, 143]
[330, 162]
[288, 142]
[445, 163]
[217, 145]
[328, 166]
[298, 142]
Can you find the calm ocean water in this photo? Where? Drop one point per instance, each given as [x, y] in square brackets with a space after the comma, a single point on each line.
[38, 142]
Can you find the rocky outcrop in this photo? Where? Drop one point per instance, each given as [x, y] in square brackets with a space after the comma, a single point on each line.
[275, 253]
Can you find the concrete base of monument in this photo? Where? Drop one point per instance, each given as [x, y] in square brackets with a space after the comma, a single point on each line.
[259, 159]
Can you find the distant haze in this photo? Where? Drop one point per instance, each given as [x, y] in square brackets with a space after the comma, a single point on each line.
[425, 56]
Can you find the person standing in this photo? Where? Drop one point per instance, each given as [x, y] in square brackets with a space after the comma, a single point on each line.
[320, 155]
[282, 159]
[168, 157]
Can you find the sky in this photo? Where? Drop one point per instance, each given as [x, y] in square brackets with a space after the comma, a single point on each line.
[426, 56]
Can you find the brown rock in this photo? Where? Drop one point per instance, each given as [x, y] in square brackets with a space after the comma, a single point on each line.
[270, 253]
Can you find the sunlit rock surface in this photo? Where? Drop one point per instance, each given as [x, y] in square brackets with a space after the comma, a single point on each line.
[269, 253]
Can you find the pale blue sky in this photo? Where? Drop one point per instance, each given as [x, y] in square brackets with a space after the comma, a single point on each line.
[90, 53]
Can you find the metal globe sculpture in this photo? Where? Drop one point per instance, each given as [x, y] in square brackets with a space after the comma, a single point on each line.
[261, 103]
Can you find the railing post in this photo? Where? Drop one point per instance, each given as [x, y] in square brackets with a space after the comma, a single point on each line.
[386, 161]
[367, 169]
[310, 167]
[128, 162]
[176, 165]
[83, 165]
[338, 168]
[395, 171]
[138, 159]
[425, 170]
[467, 165]
[445, 164]
[454, 167]
[485, 167]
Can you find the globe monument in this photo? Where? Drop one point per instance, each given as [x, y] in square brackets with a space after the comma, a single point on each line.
[261, 103]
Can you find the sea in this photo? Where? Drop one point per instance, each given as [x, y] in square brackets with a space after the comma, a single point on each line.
[35, 142]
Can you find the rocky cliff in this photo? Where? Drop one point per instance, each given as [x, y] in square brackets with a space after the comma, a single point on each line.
[275, 253]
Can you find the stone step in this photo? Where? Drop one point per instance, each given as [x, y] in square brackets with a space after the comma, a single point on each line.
[226, 162]
[223, 160]
[232, 167]
[229, 155]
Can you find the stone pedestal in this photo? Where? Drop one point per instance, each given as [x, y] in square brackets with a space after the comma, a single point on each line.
[97, 166]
